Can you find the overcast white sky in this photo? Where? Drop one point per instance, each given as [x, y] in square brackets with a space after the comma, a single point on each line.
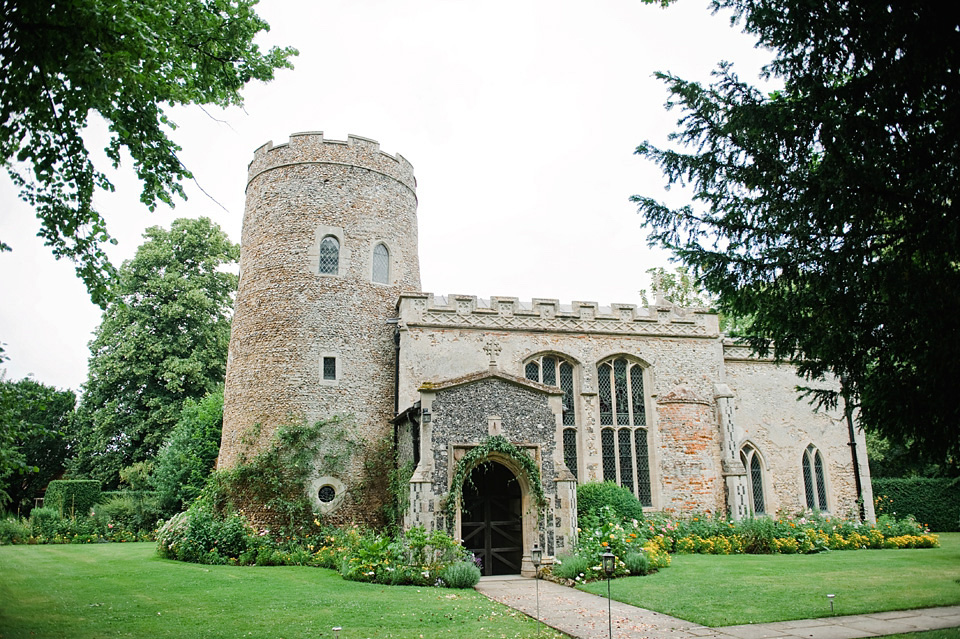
[519, 117]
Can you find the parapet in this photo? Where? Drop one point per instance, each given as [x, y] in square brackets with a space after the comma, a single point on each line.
[311, 148]
[549, 315]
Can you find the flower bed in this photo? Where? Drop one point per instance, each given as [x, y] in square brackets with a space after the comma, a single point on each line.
[644, 546]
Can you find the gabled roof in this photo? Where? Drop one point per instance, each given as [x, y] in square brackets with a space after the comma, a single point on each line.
[480, 376]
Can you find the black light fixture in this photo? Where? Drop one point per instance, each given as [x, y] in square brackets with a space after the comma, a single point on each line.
[426, 416]
[608, 563]
[536, 555]
[607, 560]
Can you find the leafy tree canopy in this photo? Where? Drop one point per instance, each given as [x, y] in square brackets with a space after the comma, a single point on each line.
[827, 210]
[124, 60]
[34, 419]
[161, 341]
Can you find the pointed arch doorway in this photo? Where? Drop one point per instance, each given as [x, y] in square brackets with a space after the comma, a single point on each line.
[491, 518]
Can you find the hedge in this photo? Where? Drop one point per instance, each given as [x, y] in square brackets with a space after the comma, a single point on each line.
[934, 502]
[72, 496]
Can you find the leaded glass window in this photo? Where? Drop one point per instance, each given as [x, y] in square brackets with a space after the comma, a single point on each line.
[329, 256]
[609, 453]
[626, 459]
[570, 450]
[636, 387]
[532, 371]
[643, 466]
[566, 385]
[329, 368]
[603, 390]
[754, 467]
[621, 397]
[555, 371]
[620, 388]
[808, 482]
[550, 371]
[381, 264]
[814, 484]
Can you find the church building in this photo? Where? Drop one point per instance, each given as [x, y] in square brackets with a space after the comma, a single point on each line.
[331, 321]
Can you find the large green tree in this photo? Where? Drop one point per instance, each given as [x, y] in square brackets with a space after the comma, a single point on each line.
[827, 210]
[162, 340]
[124, 60]
[34, 425]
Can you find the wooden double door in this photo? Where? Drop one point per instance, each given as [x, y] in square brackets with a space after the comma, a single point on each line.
[491, 520]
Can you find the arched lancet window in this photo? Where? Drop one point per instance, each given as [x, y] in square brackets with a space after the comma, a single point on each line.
[329, 256]
[554, 370]
[624, 453]
[381, 264]
[754, 467]
[813, 480]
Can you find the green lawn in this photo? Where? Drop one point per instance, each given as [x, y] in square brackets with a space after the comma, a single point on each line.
[735, 589]
[124, 590]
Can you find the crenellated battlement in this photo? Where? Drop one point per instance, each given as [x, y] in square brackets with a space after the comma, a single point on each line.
[310, 147]
[539, 314]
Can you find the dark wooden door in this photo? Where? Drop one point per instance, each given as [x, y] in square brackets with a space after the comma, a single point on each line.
[491, 520]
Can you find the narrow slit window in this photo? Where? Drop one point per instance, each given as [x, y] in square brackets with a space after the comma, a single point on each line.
[329, 368]
[381, 264]
[754, 467]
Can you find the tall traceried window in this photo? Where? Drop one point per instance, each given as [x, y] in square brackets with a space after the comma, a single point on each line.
[381, 264]
[754, 467]
[814, 484]
[329, 256]
[554, 370]
[623, 418]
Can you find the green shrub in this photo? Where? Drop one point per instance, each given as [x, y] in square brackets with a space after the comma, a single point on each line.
[133, 511]
[462, 574]
[72, 497]
[14, 530]
[638, 563]
[199, 537]
[189, 454]
[933, 502]
[45, 521]
[591, 497]
[571, 566]
[758, 535]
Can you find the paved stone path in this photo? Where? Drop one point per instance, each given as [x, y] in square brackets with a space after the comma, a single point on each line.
[584, 616]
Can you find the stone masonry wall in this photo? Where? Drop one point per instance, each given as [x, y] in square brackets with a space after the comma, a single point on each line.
[770, 414]
[288, 316]
[443, 338]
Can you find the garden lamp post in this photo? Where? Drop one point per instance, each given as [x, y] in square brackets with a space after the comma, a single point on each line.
[535, 556]
[830, 599]
[608, 567]
[336, 632]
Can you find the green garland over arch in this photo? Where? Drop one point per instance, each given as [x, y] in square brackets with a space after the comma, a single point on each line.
[478, 455]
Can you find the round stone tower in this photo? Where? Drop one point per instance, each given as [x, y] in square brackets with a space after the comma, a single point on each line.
[329, 242]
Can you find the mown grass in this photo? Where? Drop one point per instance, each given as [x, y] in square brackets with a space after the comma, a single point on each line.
[125, 590]
[721, 590]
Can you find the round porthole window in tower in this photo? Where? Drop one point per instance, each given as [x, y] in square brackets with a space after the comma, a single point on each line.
[326, 494]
